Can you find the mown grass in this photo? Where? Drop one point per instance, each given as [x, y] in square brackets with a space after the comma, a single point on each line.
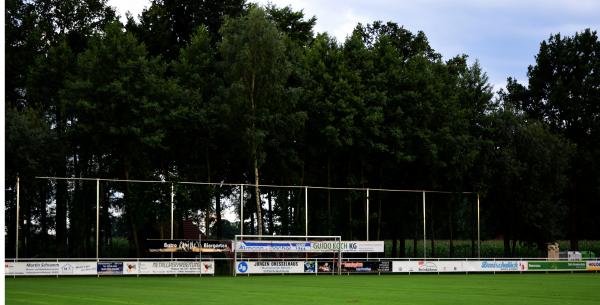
[489, 289]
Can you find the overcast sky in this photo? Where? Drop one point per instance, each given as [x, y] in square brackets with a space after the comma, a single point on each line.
[503, 35]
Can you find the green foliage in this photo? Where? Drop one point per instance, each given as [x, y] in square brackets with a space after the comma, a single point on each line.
[224, 91]
[292, 24]
[563, 93]
[167, 26]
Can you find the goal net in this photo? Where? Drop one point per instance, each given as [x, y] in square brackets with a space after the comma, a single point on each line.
[280, 254]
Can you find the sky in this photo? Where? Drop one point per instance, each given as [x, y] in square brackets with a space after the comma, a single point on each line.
[502, 35]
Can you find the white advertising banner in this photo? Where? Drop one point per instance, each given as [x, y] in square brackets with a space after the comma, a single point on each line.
[458, 266]
[78, 268]
[427, 266]
[32, 268]
[168, 267]
[262, 267]
[349, 246]
[50, 268]
[309, 246]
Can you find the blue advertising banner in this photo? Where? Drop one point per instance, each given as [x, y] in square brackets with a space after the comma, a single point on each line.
[110, 268]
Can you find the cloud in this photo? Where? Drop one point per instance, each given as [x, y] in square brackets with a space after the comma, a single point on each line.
[135, 7]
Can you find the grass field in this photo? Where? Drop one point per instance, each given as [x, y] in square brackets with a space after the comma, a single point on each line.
[488, 289]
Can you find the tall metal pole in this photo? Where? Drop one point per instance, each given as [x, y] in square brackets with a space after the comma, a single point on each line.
[424, 230]
[478, 230]
[241, 210]
[172, 207]
[17, 223]
[97, 216]
[367, 214]
[305, 211]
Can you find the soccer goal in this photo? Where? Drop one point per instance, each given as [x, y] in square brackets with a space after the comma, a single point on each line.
[281, 254]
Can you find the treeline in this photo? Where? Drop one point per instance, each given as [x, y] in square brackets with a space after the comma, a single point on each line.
[229, 91]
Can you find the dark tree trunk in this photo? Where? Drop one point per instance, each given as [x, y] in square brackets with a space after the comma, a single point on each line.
[573, 219]
[129, 203]
[251, 212]
[350, 216]
[402, 252]
[329, 218]
[206, 221]
[514, 248]
[415, 245]
[179, 232]
[44, 216]
[61, 191]
[473, 230]
[271, 229]
[219, 223]
[451, 226]
[61, 213]
[432, 230]
[298, 212]
[26, 205]
[106, 233]
[507, 236]
[379, 219]
[506, 240]
[74, 236]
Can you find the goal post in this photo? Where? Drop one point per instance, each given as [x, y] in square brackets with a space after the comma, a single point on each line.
[280, 254]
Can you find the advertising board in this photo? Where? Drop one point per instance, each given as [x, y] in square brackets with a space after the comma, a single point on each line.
[427, 266]
[309, 246]
[169, 267]
[500, 266]
[32, 268]
[187, 245]
[50, 268]
[273, 246]
[364, 266]
[130, 268]
[593, 265]
[110, 268]
[458, 266]
[78, 268]
[265, 267]
[557, 265]
[349, 246]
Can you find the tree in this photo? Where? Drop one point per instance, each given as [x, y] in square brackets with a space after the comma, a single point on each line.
[292, 23]
[202, 119]
[42, 40]
[119, 99]
[330, 111]
[168, 25]
[564, 92]
[527, 180]
[253, 51]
